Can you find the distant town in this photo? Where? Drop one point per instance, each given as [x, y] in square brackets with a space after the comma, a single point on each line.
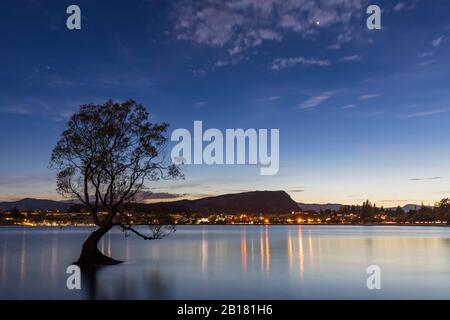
[365, 214]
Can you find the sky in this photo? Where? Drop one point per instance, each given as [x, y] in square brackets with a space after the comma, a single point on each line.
[363, 114]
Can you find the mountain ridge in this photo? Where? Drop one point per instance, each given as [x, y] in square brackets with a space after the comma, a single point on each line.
[252, 202]
[29, 204]
[277, 202]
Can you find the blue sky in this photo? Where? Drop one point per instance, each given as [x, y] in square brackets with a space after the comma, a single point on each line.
[363, 114]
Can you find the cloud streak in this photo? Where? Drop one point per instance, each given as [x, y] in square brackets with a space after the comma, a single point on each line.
[436, 42]
[15, 110]
[423, 114]
[352, 58]
[423, 179]
[283, 63]
[315, 100]
[403, 6]
[368, 97]
[295, 190]
[149, 195]
[269, 99]
[425, 54]
[200, 104]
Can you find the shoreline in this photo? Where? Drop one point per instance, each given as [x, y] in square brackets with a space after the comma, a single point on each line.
[253, 225]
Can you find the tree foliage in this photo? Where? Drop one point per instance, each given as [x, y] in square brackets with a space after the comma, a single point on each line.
[105, 157]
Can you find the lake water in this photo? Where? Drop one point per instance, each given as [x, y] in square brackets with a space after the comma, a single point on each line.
[232, 262]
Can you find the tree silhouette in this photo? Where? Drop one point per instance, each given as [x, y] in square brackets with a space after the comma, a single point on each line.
[367, 212]
[104, 158]
[443, 209]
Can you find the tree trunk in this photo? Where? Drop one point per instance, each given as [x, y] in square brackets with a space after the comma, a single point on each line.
[90, 255]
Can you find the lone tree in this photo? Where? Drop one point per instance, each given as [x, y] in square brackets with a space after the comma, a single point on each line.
[104, 158]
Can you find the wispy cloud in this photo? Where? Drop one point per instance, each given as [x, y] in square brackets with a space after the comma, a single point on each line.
[349, 106]
[149, 196]
[107, 81]
[269, 99]
[23, 181]
[282, 63]
[63, 115]
[345, 36]
[238, 25]
[422, 179]
[368, 96]
[399, 6]
[369, 80]
[396, 200]
[315, 100]
[355, 57]
[15, 110]
[436, 42]
[405, 5]
[198, 72]
[423, 114]
[425, 54]
[200, 104]
[295, 190]
[425, 63]
[228, 61]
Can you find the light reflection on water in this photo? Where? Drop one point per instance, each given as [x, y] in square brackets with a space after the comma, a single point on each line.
[232, 262]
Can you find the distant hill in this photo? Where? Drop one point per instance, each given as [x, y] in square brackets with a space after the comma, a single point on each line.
[254, 202]
[411, 207]
[34, 204]
[318, 207]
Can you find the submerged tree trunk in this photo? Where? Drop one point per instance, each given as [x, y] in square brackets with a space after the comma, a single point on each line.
[90, 255]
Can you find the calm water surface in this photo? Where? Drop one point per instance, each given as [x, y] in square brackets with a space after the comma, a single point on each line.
[232, 262]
